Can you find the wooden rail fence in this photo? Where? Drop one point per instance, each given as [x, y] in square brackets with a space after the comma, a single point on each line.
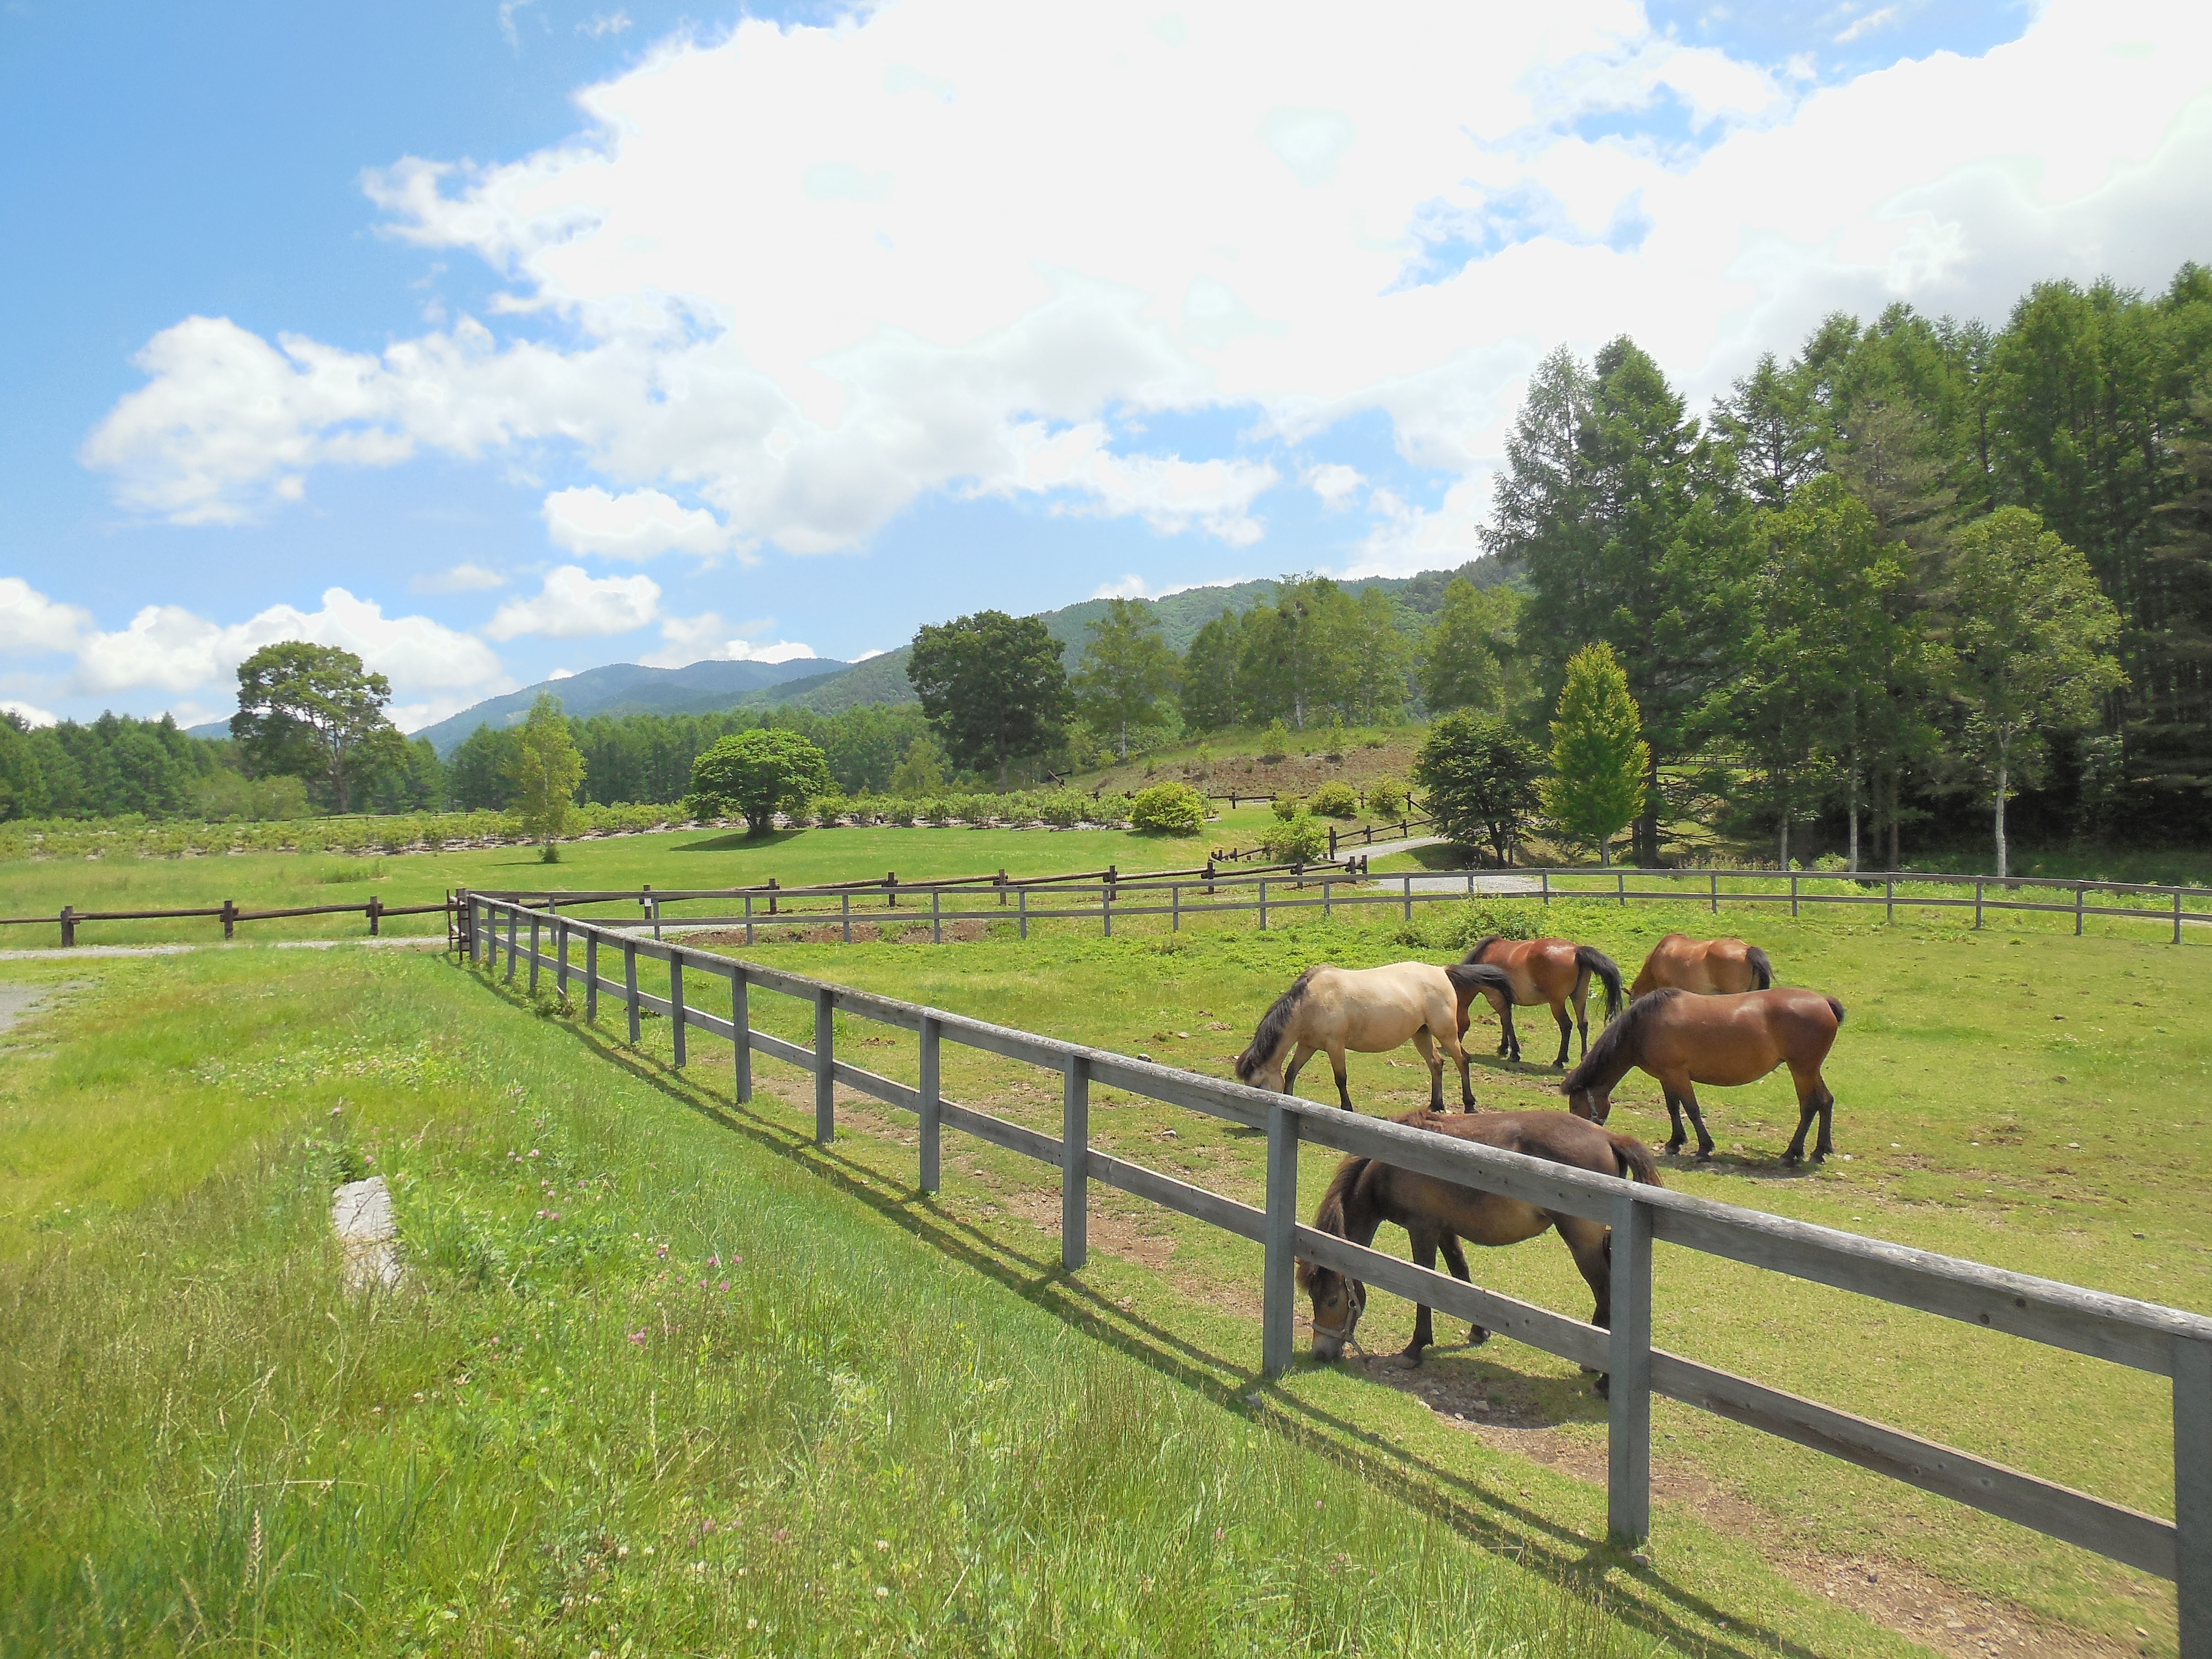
[69, 918]
[2165, 1341]
[1209, 891]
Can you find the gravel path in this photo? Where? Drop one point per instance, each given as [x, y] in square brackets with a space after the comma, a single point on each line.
[1485, 881]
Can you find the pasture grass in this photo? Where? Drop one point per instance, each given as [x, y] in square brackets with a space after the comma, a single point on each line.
[2014, 1096]
[662, 1379]
[676, 859]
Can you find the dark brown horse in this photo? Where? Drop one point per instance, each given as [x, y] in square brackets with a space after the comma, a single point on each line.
[1437, 1214]
[1553, 971]
[1708, 967]
[1726, 1041]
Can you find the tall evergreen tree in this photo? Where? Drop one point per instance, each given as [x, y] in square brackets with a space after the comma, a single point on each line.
[1599, 764]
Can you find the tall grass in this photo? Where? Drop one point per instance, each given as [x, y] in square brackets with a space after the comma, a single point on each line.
[649, 1388]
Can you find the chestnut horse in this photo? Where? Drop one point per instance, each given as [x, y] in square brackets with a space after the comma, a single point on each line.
[1372, 1010]
[1725, 1040]
[1437, 1214]
[1553, 971]
[1708, 967]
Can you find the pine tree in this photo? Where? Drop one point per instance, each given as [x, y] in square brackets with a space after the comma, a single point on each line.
[1599, 758]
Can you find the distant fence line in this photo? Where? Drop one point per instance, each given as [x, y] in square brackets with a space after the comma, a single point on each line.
[1179, 895]
[1108, 896]
[2165, 1341]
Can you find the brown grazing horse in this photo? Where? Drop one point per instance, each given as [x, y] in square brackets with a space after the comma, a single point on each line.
[1437, 1214]
[1553, 971]
[1725, 1040]
[1372, 1010]
[1707, 966]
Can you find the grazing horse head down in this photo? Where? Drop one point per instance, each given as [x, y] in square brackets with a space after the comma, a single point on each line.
[1260, 1065]
[1438, 1215]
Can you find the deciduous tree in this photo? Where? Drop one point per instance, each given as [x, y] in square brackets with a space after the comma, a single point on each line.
[547, 770]
[1127, 672]
[992, 687]
[1481, 779]
[314, 711]
[756, 774]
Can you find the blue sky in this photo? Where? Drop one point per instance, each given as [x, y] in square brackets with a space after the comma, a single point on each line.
[494, 340]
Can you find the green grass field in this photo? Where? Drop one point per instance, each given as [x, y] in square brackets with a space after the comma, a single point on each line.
[2015, 1096]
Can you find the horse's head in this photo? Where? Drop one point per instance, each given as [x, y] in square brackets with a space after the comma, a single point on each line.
[1596, 1104]
[1257, 1071]
[1338, 1303]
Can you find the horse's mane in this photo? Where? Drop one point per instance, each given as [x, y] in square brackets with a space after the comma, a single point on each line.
[1616, 1047]
[1273, 1024]
[1329, 1218]
[1479, 949]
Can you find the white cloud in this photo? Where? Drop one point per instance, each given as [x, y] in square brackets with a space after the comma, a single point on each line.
[1129, 587]
[573, 604]
[1311, 230]
[1868, 24]
[167, 647]
[29, 714]
[611, 22]
[562, 674]
[641, 524]
[1334, 483]
[34, 624]
[461, 578]
[865, 655]
[708, 638]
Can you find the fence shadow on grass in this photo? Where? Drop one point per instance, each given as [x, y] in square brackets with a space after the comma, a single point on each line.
[1674, 1610]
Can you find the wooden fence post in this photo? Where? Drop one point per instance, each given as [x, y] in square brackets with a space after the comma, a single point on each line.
[1174, 906]
[936, 916]
[1621, 886]
[1074, 1164]
[375, 915]
[1717, 892]
[930, 1089]
[1263, 904]
[1793, 896]
[1409, 896]
[69, 924]
[1628, 1445]
[1278, 1273]
[741, 1057]
[1978, 901]
[513, 932]
[825, 1080]
[749, 920]
[2192, 1494]
[533, 953]
[2077, 909]
[1106, 908]
[2177, 915]
[844, 913]
[561, 957]
[591, 978]
[630, 986]
[1547, 874]
[676, 1002]
[1024, 908]
[1889, 899]
[1325, 911]
[229, 917]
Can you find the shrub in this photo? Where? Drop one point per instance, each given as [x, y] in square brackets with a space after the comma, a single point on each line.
[1287, 807]
[1456, 927]
[1386, 797]
[1334, 801]
[1063, 808]
[1111, 807]
[1276, 741]
[1301, 840]
[1169, 809]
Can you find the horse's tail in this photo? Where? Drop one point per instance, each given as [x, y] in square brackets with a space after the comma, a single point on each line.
[1469, 979]
[1636, 1163]
[1762, 971]
[1591, 960]
[1274, 1029]
[1837, 1009]
[1615, 1048]
[1480, 948]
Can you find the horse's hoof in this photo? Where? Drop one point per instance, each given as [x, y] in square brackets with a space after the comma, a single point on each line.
[1406, 1359]
[1705, 1154]
[1476, 1336]
[1789, 1160]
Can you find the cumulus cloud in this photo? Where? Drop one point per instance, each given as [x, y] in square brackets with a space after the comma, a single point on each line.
[891, 298]
[167, 647]
[575, 604]
[29, 714]
[461, 578]
[642, 524]
[34, 624]
[708, 638]
[1334, 483]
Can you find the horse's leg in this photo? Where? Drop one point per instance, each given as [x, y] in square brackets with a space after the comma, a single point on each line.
[1336, 1066]
[1674, 1118]
[1813, 1100]
[1424, 1257]
[1305, 1052]
[1566, 1030]
[1697, 1119]
[1452, 1046]
[1455, 1259]
[1428, 1052]
[1508, 1044]
[1590, 1242]
[1582, 1007]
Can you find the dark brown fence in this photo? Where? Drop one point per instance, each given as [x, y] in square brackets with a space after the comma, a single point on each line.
[2165, 1341]
[69, 918]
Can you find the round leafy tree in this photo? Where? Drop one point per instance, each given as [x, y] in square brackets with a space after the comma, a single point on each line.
[756, 774]
[1335, 800]
[1169, 809]
[1482, 779]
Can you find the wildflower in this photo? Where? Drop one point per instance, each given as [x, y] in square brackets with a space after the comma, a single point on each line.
[882, 1590]
[883, 1543]
[726, 1284]
[714, 1261]
[637, 1337]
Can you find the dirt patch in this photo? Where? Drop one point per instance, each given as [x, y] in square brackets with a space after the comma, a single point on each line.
[1892, 1593]
[19, 1002]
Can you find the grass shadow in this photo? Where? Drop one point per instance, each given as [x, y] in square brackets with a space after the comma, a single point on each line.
[740, 841]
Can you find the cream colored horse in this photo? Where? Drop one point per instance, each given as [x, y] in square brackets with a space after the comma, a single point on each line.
[1371, 1009]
